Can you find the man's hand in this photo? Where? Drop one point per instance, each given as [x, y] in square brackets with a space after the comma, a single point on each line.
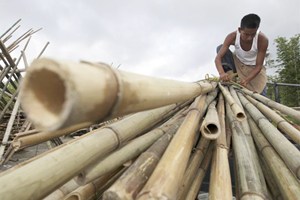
[224, 77]
[244, 82]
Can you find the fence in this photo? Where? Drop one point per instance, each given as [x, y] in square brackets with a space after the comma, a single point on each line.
[276, 85]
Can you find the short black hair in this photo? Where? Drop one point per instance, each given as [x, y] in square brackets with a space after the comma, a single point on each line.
[250, 21]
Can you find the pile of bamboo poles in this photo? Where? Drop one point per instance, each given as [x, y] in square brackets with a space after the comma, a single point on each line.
[170, 136]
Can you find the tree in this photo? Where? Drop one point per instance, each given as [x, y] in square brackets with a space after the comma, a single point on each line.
[288, 68]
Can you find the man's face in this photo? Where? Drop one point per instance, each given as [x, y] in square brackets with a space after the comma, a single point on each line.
[247, 34]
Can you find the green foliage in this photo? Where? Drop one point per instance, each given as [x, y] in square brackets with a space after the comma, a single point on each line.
[288, 69]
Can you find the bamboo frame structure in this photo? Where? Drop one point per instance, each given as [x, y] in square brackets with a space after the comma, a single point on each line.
[109, 93]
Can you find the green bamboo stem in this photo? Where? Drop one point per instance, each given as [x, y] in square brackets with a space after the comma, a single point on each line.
[84, 151]
[281, 123]
[287, 151]
[57, 94]
[288, 184]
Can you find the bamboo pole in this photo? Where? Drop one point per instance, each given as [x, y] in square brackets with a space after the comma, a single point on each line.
[58, 94]
[210, 128]
[248, 179]
[220, 179]
[132, 181]
[194, 164]
[31, 177]
[272, 104]
[236, 109]
[63, 190]
[196, 185]
[288, 184]
[165, 180]
[287, 151]
[280, 123]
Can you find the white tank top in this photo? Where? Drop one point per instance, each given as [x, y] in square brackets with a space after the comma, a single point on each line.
[246, 57]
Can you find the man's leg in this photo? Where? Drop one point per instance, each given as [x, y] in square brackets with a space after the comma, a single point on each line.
[227, 60]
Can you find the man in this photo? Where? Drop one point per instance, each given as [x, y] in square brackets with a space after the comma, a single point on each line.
[247, 60]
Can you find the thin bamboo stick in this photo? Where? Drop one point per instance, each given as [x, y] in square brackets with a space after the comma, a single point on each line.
[165, 180]
[288, 184]
[280, 123]
[236, 109]
[270, 103]
[220, 179]
[58, 94]
[196, 185]
[287, 151]
[84, 151]
[210, 128]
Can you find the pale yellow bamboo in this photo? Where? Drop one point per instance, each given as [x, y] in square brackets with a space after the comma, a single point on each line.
[277, 106]
[210, 128]
[220, 179]
[63, 190]
[166, 178]
[236, 109]
[248, 179]
[281, 123]
[287, 151]
[194, 164]
[50, 170]
[197, 181]
[57, 94]
[124, 154]
[288, 184]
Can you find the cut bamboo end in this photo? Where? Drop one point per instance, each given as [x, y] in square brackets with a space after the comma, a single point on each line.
[210, 131]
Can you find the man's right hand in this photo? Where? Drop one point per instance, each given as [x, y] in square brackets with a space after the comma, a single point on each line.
[224, 77]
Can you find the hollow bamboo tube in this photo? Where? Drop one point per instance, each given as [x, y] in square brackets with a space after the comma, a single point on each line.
[277, 106]
[288, 184]
[58, 94]
[194, 164]
[287, 151]
[122, 155]
[165, 180]
[31, 177]
[196, 185]
[220, 179]
[210, 128]
[248, 179]
[63, 190]
[133, 179]
[236, 109]
[280, 123]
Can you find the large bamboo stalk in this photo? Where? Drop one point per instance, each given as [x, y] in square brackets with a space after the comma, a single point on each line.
[132, 181]
[236, 109]
[194, 164]
[248, 179]
[67, 160]
[196, 185]
[287, 151]
[281, 123]
[220, 179]
[165, 180]
[58, 94]
[288, 184]
[277, 106]
[210, 128]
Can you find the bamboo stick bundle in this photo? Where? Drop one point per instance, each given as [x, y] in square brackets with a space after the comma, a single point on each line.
[210, 128]
[246, 129]
[129, 151]
[272, 104]
[83, 151]
[197, 181]
[236, 109]
[220, 179]
[58, 94]
[165, 180]
[95, 189]
[287, 151]
[288, 184]
[247, 177]
[194, 164]
[280, 123]
[132, 181]
[61, 192]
